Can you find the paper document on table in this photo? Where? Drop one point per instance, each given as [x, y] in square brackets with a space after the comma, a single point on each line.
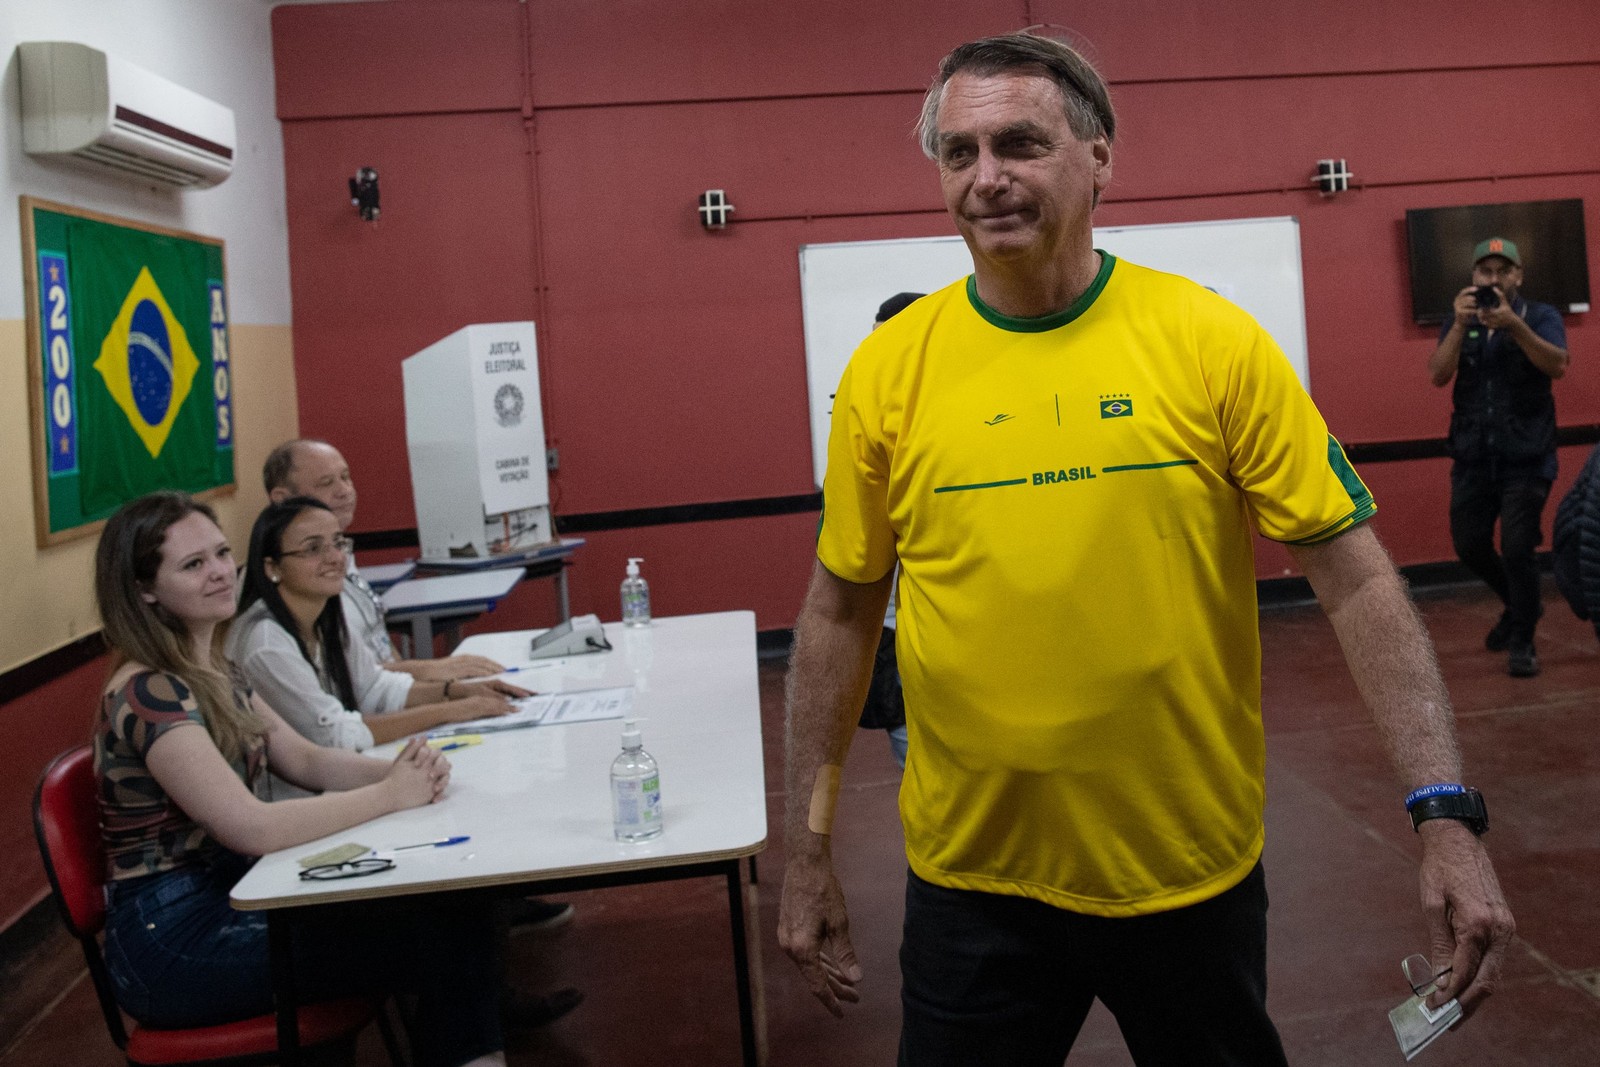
[551, 709]
[586, 705]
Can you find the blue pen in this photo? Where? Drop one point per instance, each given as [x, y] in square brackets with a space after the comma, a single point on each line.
[441, 843]
[510, 670]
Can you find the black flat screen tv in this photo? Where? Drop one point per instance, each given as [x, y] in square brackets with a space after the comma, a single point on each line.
[1548, 233]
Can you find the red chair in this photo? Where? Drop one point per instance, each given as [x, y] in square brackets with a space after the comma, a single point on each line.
[66, 819]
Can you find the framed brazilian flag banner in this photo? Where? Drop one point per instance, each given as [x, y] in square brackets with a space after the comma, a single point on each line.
[129, 375]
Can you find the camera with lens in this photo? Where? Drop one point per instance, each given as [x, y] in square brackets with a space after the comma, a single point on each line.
[1486, 296]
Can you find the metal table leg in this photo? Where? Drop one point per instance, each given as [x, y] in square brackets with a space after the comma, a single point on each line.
[452, 635]
[422, 636]
[284, 998]
[741, 968]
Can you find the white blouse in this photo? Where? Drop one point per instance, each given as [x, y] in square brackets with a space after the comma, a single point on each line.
[363, 613]
[271, 662]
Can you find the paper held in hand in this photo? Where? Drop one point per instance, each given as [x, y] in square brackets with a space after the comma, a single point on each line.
[1416, 1026]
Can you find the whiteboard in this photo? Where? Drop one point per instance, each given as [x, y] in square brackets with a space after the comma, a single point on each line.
[1253, 262]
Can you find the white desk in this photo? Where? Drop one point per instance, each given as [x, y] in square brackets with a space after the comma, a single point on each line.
[537, 805]
[543, 561]
[452, 597]
[383, 575]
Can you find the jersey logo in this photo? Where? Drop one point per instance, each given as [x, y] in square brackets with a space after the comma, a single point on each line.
[1068, 474]
[1120, 408]
[998, 419]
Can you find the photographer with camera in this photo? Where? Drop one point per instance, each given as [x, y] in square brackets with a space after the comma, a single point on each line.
[1503, 351]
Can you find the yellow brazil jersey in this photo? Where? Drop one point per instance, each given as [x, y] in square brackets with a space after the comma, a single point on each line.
[1071, 501]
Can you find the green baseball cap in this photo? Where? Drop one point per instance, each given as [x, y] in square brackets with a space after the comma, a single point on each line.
[1497, 246]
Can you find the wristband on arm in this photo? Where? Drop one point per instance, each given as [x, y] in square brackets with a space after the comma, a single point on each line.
[1448, 800]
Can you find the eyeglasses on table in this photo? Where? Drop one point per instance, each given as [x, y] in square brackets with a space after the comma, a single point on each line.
[356, 868]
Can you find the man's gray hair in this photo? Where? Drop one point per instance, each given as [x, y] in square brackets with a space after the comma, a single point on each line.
[1083, 91]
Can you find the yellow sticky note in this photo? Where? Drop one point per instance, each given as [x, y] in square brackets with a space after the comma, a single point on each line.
[446, 744]
[332, 857]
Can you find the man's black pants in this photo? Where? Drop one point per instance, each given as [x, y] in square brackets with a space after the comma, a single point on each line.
[1007, 981]
[1480, 494]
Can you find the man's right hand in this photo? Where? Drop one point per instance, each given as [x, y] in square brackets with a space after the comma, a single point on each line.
[1466, 306]
[834, 639]
[814, 929]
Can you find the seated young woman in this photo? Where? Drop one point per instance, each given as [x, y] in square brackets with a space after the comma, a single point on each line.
[290, 643]
[181, 749]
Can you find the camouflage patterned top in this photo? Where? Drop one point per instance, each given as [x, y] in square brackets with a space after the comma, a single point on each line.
[144, 831]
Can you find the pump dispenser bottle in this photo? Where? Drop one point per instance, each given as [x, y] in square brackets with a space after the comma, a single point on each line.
[635, 596]
[635, 789]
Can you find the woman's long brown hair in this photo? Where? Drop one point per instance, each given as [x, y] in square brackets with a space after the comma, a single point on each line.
[125, 565]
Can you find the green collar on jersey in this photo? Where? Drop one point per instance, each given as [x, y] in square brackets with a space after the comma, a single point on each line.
[1043, 322]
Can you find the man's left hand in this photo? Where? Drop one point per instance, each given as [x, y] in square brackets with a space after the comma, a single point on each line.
[1469, 924]
[1500, 316]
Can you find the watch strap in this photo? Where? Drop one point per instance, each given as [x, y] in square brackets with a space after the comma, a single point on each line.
[1466, 806]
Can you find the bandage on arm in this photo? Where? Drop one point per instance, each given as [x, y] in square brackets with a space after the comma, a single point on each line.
[824, 794]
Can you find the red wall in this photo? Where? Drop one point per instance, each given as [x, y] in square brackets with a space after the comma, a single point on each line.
[52, 718]
[541, 161]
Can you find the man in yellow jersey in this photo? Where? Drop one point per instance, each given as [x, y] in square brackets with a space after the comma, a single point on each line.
[1065, 455]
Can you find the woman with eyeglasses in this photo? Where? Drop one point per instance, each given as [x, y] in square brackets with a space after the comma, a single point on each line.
[181, 747]
[290, 643]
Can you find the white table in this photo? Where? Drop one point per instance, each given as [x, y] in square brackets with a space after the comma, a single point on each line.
[383, 575]
[543, 561]
[450, 597]
[536, 802]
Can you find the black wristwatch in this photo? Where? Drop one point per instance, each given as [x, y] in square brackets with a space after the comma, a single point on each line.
[1466, 806]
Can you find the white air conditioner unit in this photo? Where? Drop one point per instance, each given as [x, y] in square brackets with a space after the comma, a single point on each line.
[79, 102]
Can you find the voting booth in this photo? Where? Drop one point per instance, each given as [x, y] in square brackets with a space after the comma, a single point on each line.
[475, 433]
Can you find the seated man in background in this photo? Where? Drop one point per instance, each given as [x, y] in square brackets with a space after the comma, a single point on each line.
[306, 467]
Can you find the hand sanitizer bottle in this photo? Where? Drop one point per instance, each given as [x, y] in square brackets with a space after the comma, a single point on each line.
[635, 789]
[635, 596]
